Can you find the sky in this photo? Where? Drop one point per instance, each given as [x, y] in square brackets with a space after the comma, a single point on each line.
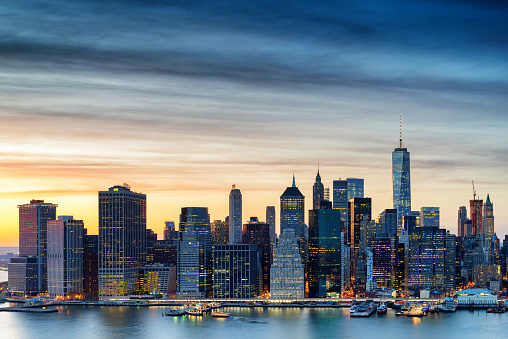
[182, 99]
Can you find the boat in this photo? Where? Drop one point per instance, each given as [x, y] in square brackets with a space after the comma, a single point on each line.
[449, 305]
[176, 312]
[401, 314]
[432, 309]
[415, 311]
[363, 310]
[497, 309]
[382, 308]
[220, 315]
[195, 312]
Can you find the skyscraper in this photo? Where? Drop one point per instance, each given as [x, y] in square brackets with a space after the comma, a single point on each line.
[359, 209]
[318, 191]
[236, 271]
[195, 266]
[488, 218]
[122, 241]
[270, 220]
[340, 201]
[429, 217]
[90, 265]
[324, 266]
[65, 256]
[355, 188]
[287, 273]
[220, 232]
[475, 210]
[401, 181]
[258, 233]
[292, 205]
[461, 222]
[33, 236]
[235, 216]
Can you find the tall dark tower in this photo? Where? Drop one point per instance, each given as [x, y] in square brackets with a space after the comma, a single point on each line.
[401, 180]
[318, 192]
[292, 204]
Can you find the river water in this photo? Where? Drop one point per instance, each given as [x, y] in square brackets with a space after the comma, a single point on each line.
[258, 323]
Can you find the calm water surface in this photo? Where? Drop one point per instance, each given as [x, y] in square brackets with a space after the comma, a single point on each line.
[259, 323]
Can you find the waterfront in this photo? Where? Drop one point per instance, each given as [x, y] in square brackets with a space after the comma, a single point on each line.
[147, 322]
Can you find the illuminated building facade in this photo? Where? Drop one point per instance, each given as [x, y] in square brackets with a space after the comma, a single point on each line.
[359, 209]
[170, 233]
[488, 218]
[429, 217]
[384, 254]
[324, 266]
[292, 205]
[220, 232]
[287, 272]
[236, 271]
[475, 212]
[65, 256]
[122, 241]
[33, 236]
[22, 276]
[235, 216]
[195, 254]
[258, 233]
[431, 259]
[340, 201]
[355, 188]
[155, 279]
[401, 181]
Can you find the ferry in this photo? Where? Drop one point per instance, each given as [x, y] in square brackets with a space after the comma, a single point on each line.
[220, 315]
[382, 308]
[449, 305]
[195, 312]
[363, 310]
[415, 311]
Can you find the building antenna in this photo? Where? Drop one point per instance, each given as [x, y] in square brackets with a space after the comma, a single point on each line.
[474, 191]
[400, 130]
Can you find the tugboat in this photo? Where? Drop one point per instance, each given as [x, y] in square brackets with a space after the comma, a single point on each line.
[382, 308]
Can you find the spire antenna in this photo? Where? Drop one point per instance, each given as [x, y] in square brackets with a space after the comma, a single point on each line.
[400, 130]
[294, 184]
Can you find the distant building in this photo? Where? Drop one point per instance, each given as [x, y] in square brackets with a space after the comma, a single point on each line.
[236, 271]
[169, 230]
[122, 241]
[195, 254]
[340, 201]
[65, 256]
[287, 272]
[292, 211]
[384, 251]
[488, 218]
[389, 222]
[270, 220]
[235, 216]
[401, 181]
[482, 274]
[258, 233]
[461, 222]
[429, 217]
[90, 266]
[359, 208]
[33, 237]
[475, 211]
[318, 192]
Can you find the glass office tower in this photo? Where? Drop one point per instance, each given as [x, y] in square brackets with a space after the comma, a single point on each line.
[401, 181]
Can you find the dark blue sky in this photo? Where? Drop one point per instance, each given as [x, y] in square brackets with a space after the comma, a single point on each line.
[188, 96]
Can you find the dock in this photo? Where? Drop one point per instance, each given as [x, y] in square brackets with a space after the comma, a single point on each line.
[28, 309]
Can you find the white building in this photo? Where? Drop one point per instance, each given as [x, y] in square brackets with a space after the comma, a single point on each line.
[286, 273]
[65, 256]
[480, 297]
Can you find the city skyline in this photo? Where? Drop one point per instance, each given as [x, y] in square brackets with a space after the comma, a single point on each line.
[206, 95]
